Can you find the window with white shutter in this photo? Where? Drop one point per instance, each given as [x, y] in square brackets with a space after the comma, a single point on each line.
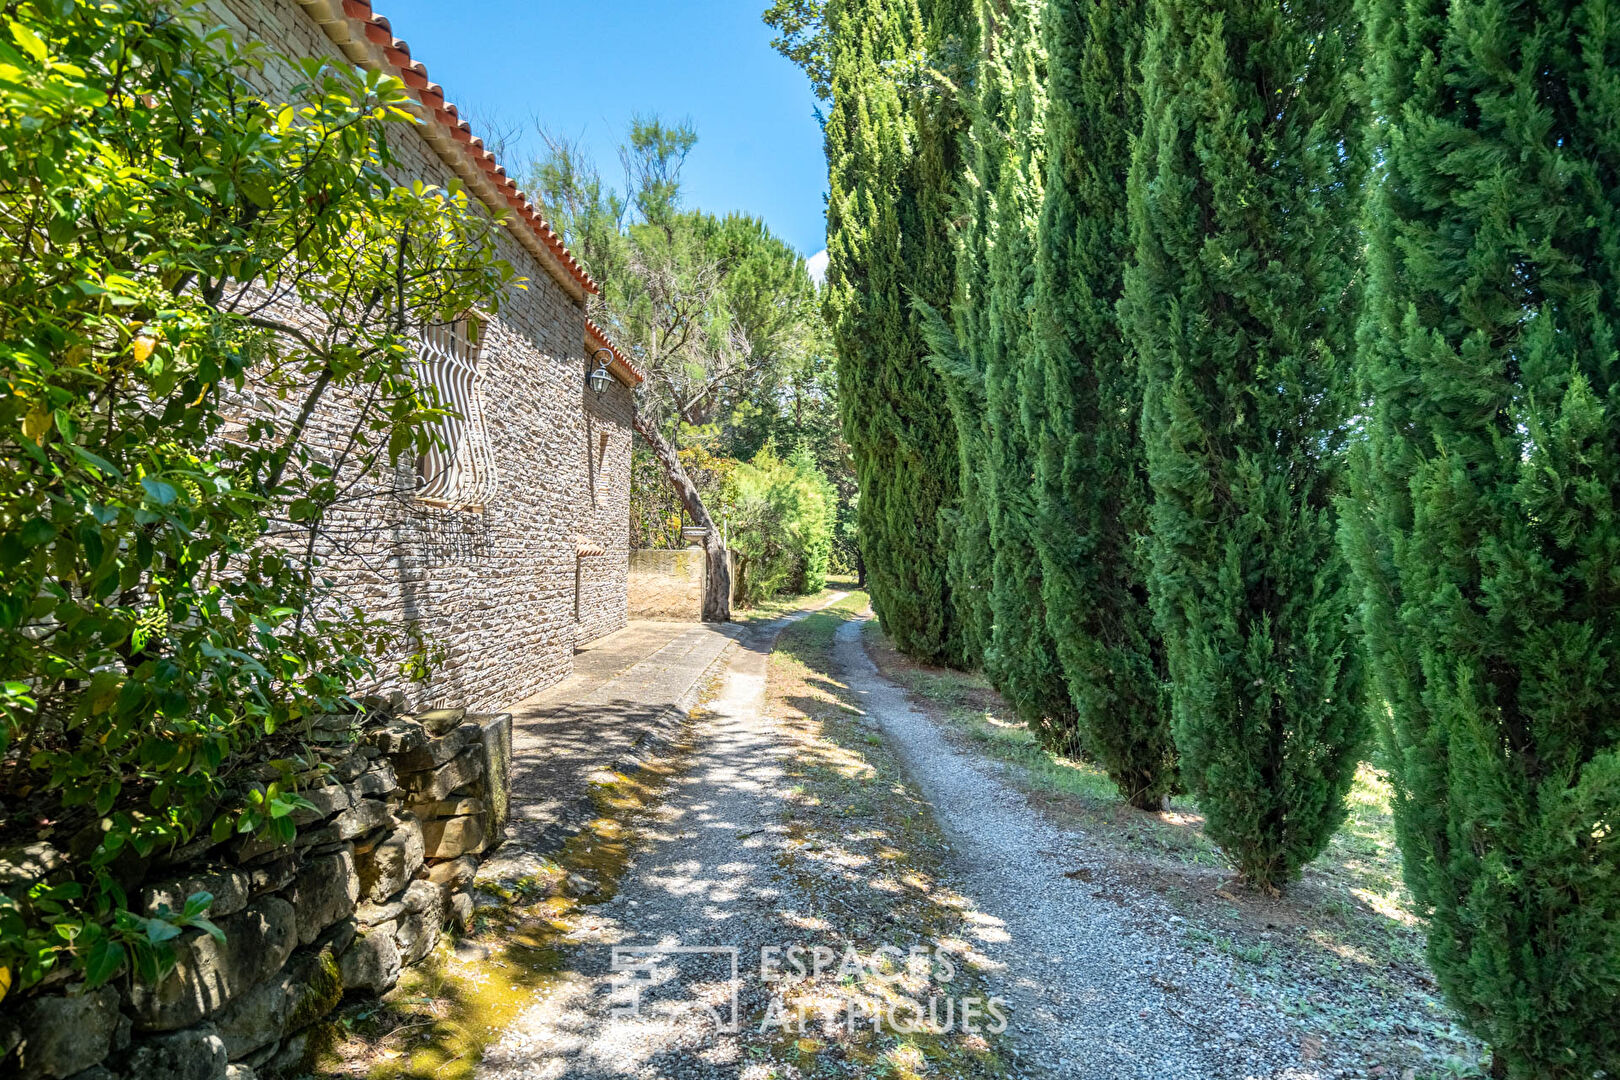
[460, 473]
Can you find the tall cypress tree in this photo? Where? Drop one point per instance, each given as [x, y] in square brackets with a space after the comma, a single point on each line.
[1488, 537]
[1240, 302]
[1091, 474]
[891, 401]
[995, 330]
[939, 110]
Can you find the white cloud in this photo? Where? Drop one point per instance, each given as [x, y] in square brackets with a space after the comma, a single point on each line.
[816, 267]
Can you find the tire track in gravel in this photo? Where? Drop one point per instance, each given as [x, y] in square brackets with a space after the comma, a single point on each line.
[1094, 993]
[705, 874]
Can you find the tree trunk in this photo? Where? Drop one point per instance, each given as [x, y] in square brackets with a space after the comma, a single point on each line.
[717, 575]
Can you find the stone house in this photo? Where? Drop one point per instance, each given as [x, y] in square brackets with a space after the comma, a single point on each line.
[513, 547]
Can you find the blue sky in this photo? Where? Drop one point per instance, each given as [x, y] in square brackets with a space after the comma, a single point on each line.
[582, 68]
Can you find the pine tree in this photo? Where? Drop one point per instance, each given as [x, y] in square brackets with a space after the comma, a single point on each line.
[1091, 474]
[892, 403]
[1239, 305]
[1486, 535]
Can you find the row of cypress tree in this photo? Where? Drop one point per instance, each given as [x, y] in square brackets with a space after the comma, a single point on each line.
[1222, 375]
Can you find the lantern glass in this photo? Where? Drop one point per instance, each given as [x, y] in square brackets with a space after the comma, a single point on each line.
[599, 379]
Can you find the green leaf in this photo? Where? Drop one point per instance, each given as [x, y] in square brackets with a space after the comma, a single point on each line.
[159, 492]
[160, 930]
[96, 462]
[30, 41]
[105, 959]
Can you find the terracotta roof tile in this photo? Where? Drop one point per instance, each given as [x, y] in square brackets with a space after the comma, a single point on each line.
[398, 54]
[627, 372]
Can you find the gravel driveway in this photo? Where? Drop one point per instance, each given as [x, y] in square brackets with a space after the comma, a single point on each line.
[1094, 992]
[704, 876]
[1094, 989]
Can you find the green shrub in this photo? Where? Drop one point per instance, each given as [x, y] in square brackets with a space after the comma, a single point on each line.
[161, 610]
[781, 528]
[1485, 531]
[1239, 306]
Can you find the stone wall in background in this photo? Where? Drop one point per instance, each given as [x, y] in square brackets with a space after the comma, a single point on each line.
[403, 806]
[667, 584]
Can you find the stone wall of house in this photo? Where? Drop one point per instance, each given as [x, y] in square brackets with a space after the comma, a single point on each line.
[402, 807]
[500, 595]
[605, 522]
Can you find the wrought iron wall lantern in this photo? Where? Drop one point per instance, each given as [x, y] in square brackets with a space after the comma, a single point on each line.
[598, 380]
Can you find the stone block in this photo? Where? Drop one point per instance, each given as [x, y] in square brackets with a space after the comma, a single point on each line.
[368, 914]
[496, 747]
[398, 736]
[461, 910]
[194, 1053]
[419, 928]
[354, 761]
[439, 721]
[308, 988]
[230, 887]
[209, 974]
[329, 800]
[372, 962]
[273, 876]
[324, 893]
[65, 1035]
[448, 838]
[386, 868]
[453, 874]
[378, 780]
[435, 784]
[436, 752]
[364, 816]
[427, 811]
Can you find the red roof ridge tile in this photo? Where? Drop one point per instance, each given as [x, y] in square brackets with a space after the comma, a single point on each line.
[413, 73]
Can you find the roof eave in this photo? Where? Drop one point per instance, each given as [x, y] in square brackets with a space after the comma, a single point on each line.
[367, 39]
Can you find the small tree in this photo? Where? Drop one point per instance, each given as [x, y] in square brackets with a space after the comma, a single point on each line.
[167, 238]
[1484, 530]
[1239, 305]
[781, 526]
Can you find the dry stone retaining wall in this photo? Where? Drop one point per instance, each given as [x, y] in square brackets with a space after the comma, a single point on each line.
[402, 808]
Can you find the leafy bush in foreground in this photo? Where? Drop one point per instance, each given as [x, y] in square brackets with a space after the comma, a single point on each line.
[781, 525]
[161, 611]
